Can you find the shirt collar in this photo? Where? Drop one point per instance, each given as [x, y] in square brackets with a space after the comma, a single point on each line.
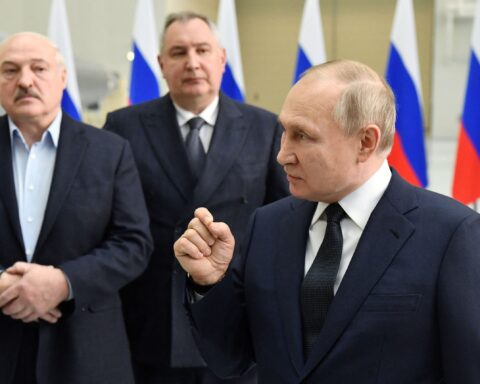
[53, 130]
[359, 204]
[209, 114]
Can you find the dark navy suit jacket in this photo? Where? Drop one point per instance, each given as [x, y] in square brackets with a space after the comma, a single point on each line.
[241, 174]
[407, 310]
[95, 229]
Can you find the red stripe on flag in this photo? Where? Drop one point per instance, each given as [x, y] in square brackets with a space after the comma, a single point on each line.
[466, 182]
[398, 160]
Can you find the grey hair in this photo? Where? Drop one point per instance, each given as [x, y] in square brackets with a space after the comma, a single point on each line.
[184, 17]
[58, 55]
[366, 99]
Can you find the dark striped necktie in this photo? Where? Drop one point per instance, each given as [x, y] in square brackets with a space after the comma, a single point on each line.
[317, 286]
[195, 151]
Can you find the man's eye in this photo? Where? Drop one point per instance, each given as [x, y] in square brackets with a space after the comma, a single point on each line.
[301, 136]
[9, 71]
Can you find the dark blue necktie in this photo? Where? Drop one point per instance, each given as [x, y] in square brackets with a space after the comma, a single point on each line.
[317, 286]
[195, 151]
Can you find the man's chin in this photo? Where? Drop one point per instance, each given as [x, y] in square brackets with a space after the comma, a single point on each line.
[199, 89]
[27, 100]
[24, 113]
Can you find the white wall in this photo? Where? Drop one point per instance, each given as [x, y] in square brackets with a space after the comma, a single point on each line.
[450, 66]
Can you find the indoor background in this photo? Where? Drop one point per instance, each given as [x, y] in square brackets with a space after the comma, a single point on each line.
[101, 34]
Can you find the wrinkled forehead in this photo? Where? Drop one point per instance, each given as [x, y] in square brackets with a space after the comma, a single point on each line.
[27, 47]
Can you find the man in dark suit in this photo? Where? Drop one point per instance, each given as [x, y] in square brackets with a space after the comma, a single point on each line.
[392, 294]
[239, 173]
[74, 229]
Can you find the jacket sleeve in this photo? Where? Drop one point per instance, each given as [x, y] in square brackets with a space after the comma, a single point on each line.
[459, 304]
[220, 323]
[125, 250]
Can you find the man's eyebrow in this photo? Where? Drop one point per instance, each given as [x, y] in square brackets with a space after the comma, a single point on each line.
[35, 61]
[7, 62]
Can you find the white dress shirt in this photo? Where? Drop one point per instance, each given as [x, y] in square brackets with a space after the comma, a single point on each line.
[33, 172]
[209, 114]
[358, 206]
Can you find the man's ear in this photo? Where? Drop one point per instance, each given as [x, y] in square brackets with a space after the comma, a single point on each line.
[223, 58]
[369, 141]
[160, 62]
[64, 78]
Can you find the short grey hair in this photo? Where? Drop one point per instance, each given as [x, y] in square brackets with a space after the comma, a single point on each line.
[184, 17]
[59, 57]
[366, 99]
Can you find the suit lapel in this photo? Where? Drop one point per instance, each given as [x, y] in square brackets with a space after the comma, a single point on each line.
[386, 232]
[70, 152]
[229, 135]
[167, 143]
[7, 184]
[289, 271]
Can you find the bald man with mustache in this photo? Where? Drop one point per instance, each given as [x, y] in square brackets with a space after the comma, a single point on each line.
[74, 229]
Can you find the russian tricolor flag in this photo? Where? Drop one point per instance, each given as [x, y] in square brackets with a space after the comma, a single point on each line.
[145, 75]
[311, 48]
[232, 81]
[403, 75]
[466, 183]
[59, 33]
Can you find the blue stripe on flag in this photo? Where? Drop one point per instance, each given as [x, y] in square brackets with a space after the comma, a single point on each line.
[69, 107]
[143, 83]
[471, 111]
[302, 64]
[229, 85]
[409, 122]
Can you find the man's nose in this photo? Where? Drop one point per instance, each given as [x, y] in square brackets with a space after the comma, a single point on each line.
[26, 78]
[192, 60]
[285, 155]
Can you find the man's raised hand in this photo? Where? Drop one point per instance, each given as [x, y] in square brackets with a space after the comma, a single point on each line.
[205, 249]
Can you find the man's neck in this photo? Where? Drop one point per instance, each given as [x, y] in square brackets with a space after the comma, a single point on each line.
[196, 105]
[32, 129]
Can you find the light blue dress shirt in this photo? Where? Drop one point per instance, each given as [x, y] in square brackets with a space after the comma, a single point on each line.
[33, 172]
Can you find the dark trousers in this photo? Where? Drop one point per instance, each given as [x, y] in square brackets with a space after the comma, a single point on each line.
[153, 374]
[27, 357]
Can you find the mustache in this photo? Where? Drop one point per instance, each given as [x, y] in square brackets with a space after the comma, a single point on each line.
[25, 92]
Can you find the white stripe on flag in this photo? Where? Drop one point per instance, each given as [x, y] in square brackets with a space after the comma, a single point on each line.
[404, 38]
[145, 35]
[476, 31]
[311, 33]
[228, 31]
[59, 33]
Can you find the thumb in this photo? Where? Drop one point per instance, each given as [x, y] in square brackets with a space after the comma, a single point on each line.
[221, 231]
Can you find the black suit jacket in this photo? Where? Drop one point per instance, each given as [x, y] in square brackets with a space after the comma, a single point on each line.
[241, 174]
[95, 229]
[406, 310]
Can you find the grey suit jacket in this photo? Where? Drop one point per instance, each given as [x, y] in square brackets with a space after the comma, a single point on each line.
[241, 174]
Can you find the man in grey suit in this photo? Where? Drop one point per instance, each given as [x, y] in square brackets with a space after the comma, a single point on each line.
[236, 173]
[73, 229]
